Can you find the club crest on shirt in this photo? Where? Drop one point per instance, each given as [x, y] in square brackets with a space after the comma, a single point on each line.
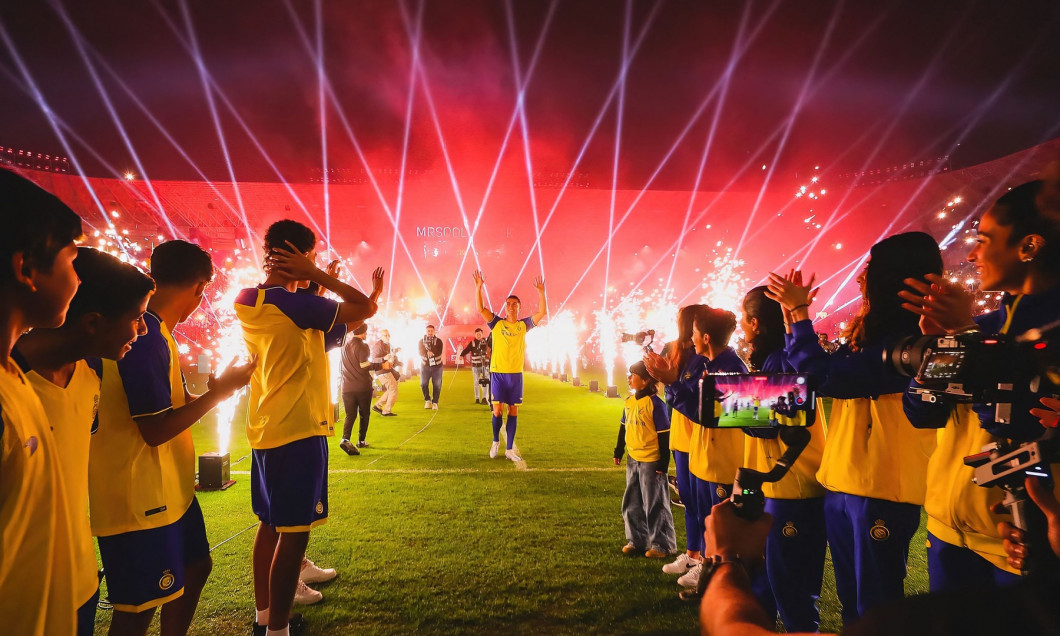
[879, 532]
[789, 530]
[32, 444]
[721, 492]
[320, 507]
[166, 581]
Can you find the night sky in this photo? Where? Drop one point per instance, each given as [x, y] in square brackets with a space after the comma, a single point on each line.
[846, 85]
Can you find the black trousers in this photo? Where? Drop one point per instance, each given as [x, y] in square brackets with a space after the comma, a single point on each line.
[357, 403]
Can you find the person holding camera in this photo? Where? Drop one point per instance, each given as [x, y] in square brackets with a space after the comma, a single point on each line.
[431, 368]
[1017, 253]
[1028, 608]
[382, 352]
[874, 466]
[506, 363]
[795, 548]
[479, 348]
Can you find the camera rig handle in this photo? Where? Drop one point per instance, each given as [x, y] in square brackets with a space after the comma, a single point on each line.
[1007, 466]
[747, 488]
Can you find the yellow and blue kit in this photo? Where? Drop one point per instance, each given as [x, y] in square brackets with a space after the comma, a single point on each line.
[142, 497]
[134, 486]
[645, 431]
[964, 547]
[289, 411]
[71, 411]
[36, 532]
[644, 434]
[795, 547]
[509, 344]
[680, 438]
[714, 454]
[874, 468]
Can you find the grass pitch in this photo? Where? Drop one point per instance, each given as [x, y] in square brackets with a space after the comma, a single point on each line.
[431, 536]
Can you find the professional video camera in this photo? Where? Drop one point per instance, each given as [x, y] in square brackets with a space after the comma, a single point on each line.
[975, 367]
[642, 338]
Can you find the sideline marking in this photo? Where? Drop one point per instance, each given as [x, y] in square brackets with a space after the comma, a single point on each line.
[455, 471]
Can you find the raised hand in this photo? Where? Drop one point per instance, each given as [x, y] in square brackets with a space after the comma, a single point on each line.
[791, 293]
[539, 284]
[233, 378]
[480, 280]
[291, 263]
[377, 282]
[947, 307]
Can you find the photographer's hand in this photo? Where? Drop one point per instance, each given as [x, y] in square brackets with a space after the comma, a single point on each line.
[947, 307]
[732, 537]
[1013, 537]
[1050, 415]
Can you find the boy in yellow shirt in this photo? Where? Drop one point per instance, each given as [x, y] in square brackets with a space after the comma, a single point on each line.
[105, 317]
[152, 536]
[289, 412]
[38, 596]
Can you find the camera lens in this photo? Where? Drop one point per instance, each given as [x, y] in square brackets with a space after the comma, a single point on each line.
[906, 356]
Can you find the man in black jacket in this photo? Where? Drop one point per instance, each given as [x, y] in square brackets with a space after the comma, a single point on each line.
[431, 368]
[357, 387]
[479, 348]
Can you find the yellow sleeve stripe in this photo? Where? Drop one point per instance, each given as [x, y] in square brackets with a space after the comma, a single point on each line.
[665, 430]
[168, 408]
[335, 319]
[365, 365]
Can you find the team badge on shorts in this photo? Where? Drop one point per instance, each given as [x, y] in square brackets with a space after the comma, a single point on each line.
[320, 507]
[789, 530]
[722, 494]
[879, 532]
[166, 581]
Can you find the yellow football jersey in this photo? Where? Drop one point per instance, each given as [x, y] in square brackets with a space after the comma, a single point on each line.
[644, 418]
[509, 344]
[36, 538]
[290, 390]
[680, 431]
[134, 486]
[873, 451]
[714, 454]
[71, 411]
[801, 480]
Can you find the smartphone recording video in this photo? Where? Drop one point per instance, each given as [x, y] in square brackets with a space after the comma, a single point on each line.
[756, 400]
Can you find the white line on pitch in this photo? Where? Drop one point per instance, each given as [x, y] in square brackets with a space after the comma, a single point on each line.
[452, 471]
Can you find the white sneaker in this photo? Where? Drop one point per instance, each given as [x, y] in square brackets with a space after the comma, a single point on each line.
[427, 404]
[311, 573]
[691, 578]
[305, 595]
[680, 565]
[434, 406]
[510, 454]
[494, 447]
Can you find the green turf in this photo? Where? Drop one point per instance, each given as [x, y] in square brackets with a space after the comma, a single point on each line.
[431, 536]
